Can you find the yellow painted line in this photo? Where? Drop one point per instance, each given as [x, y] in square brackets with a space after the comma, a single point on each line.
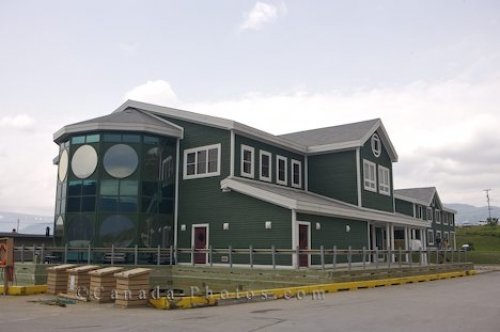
[290, 292]
[25, 290]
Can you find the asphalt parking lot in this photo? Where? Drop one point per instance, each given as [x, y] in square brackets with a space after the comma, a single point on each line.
[462, 304]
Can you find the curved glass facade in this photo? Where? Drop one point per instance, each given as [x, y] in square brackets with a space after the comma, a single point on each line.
[116, 189]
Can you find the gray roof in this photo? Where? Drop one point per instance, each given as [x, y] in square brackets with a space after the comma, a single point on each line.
[332, 135]
[312, 203]
[130, 119]
[418, 195]
[422, 196]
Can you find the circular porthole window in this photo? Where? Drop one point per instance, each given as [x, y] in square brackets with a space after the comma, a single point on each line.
[120, 161]
[117, 230]
[376, 146]
[63, 165]
[84, 161]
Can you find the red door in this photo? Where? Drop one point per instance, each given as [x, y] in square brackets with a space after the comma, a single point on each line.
[303, 244]
[200, 242]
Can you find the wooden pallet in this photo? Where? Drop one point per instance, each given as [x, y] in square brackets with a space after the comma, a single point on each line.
[103, 284]
[132, 287]
[79, 280]
[57, 278]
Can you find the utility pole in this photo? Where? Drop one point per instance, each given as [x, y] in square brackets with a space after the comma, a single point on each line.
[488, 200]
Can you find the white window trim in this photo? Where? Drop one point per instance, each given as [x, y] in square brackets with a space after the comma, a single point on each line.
[437, 216]
[421, 211]
[446, 217]
[196, 150]
[380, 178]
[439, 237]
[446, 236]
[278, 181]
[431, 237]
[252, 161]
[268, 154]
[371, 181]
[376, 139]
[428, 216]
[297, 185]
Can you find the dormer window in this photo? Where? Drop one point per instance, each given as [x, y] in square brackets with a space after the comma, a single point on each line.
[376, 146]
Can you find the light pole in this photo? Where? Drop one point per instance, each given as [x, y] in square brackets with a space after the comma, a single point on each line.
[488, 200]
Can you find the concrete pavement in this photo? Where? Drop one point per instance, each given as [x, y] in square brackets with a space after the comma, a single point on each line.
[463, 304]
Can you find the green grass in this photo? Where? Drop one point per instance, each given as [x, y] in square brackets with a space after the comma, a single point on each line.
[483, 257]
[483, 238]
[486, 242]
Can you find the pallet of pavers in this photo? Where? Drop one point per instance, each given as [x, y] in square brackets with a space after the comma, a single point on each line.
[57, 278]
[132, 287]
[79, 282]
[103, 284]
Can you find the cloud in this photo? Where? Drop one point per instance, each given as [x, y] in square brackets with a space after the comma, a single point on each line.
[21, 121]
[444, 132]
[261, 14]
[156, 92]
[129, 49]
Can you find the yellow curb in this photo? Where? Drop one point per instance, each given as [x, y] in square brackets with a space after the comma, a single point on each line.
[25, 290]
[290, 292]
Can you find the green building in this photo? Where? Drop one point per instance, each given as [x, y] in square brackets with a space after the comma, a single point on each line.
[425, 204]
[155, 176]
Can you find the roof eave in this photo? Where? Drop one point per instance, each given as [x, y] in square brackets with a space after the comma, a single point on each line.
[91, 127]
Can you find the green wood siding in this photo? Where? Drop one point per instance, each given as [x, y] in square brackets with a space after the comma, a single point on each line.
[201, 201]
[334, 175]
[375, 200]
[404, 207]
[258, 146]
[333, 233]
[246, 217]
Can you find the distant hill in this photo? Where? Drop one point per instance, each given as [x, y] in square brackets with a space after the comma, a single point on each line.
[472, 214]
[28, 223]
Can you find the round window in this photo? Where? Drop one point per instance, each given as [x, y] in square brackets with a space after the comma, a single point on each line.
[84, 161]
[120, 161]
[79, 231]
[376, 146]
[63, 165]
[117, 230]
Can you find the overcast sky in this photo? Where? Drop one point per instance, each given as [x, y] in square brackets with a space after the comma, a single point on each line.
[429, 69]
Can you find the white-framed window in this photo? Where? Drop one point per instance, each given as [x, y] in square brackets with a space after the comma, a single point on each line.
[438, 235]
[446, 217]
[376, 146]
[369, 176]
[281, 170]
[420, 212]
[437, 216]
[203, 161]
[296, 173]
[265, 165]
[446, 236]
[430, 237]
[429, 213]
[247, 161]
[384, 180]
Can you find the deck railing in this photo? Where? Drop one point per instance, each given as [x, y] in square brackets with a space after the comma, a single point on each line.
[322, 258]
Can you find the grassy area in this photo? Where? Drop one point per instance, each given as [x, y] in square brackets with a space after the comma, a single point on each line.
[485, 240]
